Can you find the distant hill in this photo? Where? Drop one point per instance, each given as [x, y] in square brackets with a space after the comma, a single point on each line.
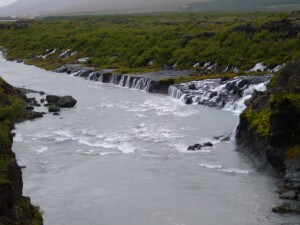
[234, 5]
[50, 7]
[22, 7]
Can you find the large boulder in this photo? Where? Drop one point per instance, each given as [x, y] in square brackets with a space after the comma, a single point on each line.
[53, 99]
[66, 102]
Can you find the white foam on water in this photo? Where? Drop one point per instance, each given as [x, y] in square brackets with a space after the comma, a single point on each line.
[107, 105]
[18, 138]
[63, 135]
[220, 168]
[152, 156]
[210, 166]
[140, 115]
[107, 153]
[126, 148]
[155, 134]
[233, 170]
[41, 149]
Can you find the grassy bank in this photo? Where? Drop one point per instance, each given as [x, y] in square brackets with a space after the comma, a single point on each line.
[142, 42]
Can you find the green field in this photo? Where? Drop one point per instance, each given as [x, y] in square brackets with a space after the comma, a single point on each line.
[132, 41]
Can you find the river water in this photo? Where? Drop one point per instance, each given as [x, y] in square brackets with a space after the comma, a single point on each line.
[119, 158]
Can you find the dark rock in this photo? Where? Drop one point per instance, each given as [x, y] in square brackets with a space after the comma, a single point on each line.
[54, 108]
[42, 100]
[213, 94]
[208, 144]
[30, 100]
[48, 104]
[223, 79]
[244, 82]
[288, 195]
[56, 114]
[293, 207]
[284, 208]
[192, 87]
[191, 148]
[189, 101]
[66, 102]
[42, 93]
[218, 137]
[226, 139]
[33, 115]
[230, 85]
[198, 146]
[52, 99]
[29, 107]
[36, 104]
[247, 102]
[285, 27]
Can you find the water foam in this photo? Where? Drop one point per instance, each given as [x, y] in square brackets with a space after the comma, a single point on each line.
[41, 149]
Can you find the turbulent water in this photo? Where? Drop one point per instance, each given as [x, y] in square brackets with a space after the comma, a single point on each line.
[229, 94]
[119, 158]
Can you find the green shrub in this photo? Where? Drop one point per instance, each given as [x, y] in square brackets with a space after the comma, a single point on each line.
[259, 121]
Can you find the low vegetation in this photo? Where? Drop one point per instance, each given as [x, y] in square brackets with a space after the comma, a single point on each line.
[143, 42]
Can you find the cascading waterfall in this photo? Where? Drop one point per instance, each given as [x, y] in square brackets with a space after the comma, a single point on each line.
[227, 94]
[135, 82]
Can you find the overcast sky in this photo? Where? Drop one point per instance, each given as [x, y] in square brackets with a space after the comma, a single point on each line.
[6, 2]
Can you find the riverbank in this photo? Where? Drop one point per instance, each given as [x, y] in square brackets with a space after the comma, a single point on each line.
[14, 207]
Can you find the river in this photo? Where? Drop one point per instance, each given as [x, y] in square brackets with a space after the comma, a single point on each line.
[119, 158]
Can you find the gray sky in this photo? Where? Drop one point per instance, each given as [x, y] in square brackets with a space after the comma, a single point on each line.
[6, 2]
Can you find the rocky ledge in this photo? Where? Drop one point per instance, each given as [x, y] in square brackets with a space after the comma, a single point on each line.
[269, 132]
[152, 82]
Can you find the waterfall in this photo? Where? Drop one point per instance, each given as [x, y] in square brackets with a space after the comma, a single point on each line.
[227, 94]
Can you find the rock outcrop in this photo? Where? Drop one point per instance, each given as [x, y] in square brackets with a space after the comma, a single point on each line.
[269, 130]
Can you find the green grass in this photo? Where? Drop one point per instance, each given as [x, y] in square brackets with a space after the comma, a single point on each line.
[129, 42]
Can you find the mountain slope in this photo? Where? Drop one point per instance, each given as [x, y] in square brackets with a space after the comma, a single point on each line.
[244, 5]
[59, 6]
